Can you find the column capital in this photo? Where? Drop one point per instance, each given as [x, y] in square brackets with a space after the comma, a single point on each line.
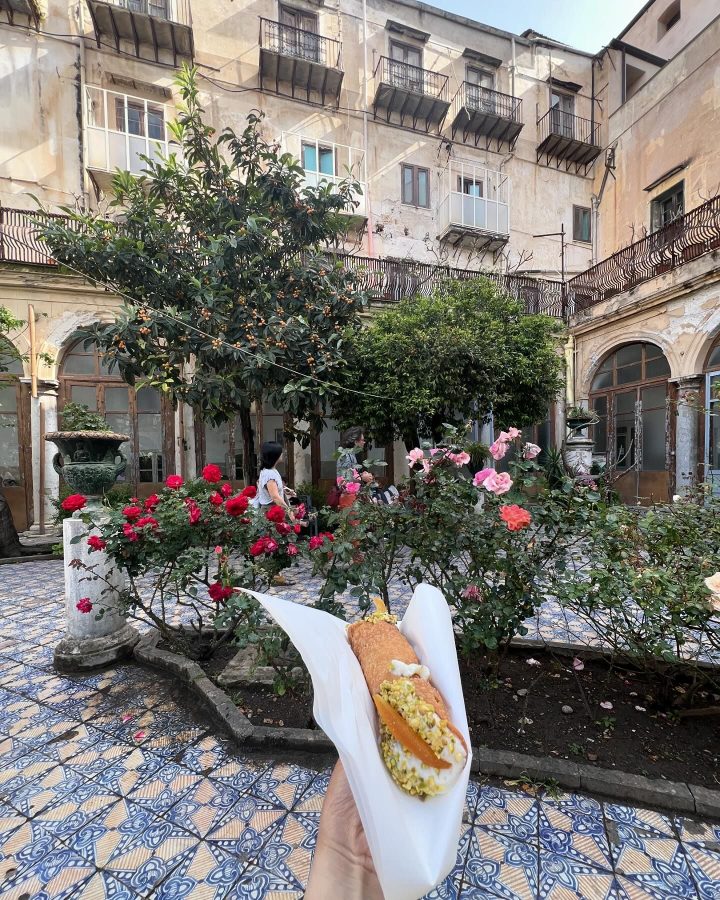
[687, 382]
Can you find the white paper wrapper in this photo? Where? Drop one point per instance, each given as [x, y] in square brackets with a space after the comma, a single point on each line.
[413, 842]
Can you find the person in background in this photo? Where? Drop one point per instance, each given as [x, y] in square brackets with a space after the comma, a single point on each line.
[270, 488]
[352, 441]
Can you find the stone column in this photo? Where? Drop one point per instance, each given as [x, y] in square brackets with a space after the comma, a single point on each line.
[91, 640]
[43, 418]
[687, 422]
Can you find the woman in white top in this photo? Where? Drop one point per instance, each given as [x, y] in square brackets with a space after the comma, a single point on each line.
[270, 490]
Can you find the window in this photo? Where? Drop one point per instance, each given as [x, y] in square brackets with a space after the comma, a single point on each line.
[563, 113]
[582, 230]
[406, 54]
[415, 186]
[406, 67]
[481, 89]
[473, 187]
[480, 77]
[131, 118]
[633, 79]
[298, 34]
[668, 207]
[318, 158]
[669, 18]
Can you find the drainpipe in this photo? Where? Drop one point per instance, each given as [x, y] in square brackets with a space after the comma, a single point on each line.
[512, 70]
[366, 101]
[570, 371]
[594, 224]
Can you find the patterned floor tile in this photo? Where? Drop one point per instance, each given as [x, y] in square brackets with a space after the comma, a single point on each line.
[573, 826]
[511, 813]
[693, 831]
[502, 866]
[25, 769]
[238, 773]
[21, 848]
[203, 806]
[102, 886]
[447, 890]
[70, 813]
[288, 851]
[254, 884]
[120, 767]
[205, 755]
[657, 865]
[704, 867]
[639, 821]
[310, 802]
[165, 787]
[283, 785]
[206, 873]
[34, 795]
[246, 827]
[59, 875]
[562, 877]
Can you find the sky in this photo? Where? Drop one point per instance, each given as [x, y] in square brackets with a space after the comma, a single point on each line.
[584, 24]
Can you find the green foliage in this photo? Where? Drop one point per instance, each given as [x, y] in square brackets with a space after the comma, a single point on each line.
[223, 253]
[77, 417]
[8, 352]
[438, 359]
[641, 588]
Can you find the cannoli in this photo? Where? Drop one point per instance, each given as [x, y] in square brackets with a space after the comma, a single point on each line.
[420, 746]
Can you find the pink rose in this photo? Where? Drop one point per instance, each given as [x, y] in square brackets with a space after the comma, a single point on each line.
[352, 487]
[530, 451]
[498, 483]
[460, 459]
[292, 550]
[414, 456]
[481, 476]
[435, 450]
[340, 481]
[471, 592]
[514, 433]
[498, 448]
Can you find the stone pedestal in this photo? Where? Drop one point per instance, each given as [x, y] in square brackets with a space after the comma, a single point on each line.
[686, 431]
[90, 640]
[578, 454]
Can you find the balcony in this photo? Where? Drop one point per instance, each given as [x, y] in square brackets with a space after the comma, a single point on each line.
[476, 207]
[304, 61]
[568, 140]
[324, 162]
[412, 94]
[687, 238]
[480, 113]
[120, 130]
[27, 8]
[160, 24]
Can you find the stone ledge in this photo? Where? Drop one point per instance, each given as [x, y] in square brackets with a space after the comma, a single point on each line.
[669, 795]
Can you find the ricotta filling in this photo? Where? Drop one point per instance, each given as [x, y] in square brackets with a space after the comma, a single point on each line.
[407, 670]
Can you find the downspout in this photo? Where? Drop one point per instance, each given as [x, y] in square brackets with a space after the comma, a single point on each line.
[366, 154]
[84, 177]
[512, 69]
[570, 371]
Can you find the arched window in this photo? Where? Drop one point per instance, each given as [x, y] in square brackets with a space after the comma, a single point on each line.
[629, 395]
[15, 458]
[143, 413]
[712, 415]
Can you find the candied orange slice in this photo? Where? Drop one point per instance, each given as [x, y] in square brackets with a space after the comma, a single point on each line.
[379, 604]
[406, 736]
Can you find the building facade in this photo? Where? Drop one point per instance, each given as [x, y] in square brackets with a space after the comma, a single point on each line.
[475, 149]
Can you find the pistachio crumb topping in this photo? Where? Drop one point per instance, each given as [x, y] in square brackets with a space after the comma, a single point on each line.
[382, 617]
[422, 718]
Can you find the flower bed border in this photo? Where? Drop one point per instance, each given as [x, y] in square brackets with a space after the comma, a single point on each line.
[675, 796]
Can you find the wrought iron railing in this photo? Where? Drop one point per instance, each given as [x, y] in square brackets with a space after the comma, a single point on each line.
[286, 40]
[687, 238]
[411, 78]
[566, 125]
[177, 11]
[19, 241]
[475, 98]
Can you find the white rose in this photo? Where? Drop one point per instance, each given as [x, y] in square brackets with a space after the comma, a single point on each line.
[713, 583]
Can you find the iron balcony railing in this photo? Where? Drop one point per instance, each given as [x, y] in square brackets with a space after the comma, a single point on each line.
[476, 98]
[177, 11]
[687, 238]
[411, 78]
[19, 241]
[286, 40]
[566, 125]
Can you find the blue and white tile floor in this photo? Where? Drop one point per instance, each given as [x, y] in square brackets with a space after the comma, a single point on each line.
[111, 787]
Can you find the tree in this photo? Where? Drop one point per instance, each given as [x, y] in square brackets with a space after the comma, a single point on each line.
[223, 255]
[441, 359]
[9, 541]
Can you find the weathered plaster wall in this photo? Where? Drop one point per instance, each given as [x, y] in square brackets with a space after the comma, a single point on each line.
[646, 34]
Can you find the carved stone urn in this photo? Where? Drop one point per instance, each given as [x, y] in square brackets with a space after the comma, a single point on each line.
[89, 461]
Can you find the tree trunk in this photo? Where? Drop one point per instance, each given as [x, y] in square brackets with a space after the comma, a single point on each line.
[249, 458]
[9, 541]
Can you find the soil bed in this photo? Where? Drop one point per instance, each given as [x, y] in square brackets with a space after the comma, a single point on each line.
[636, 735]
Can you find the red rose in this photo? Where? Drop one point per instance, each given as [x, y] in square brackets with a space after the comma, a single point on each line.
[84, 605]
[151, 502]
[328, 535]
[226, 490]
[250, 491]
[96, 543]
[271, 545]
[236, 506]
[275, 514]
[194, 514]
[174, 481]
[300, 511]
[315, 542]
[258, 548]
[219, 592]
[283, 528]
[129, 532]
[147, 520]
[132, 512]
[73, 502]
[216, 498]
[292, 550]
[297, 528]
[515, 517]
[212, 473]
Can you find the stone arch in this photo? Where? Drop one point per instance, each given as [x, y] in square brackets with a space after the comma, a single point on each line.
[63, 333]
[702, 345]
[608, 344]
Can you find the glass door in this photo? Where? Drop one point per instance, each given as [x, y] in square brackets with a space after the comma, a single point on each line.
[712, 430]
[563, 109]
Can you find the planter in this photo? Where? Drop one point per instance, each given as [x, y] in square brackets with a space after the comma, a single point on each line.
[88, 460]
[575, 422]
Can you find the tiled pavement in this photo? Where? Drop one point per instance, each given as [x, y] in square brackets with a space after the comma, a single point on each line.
[111, 786]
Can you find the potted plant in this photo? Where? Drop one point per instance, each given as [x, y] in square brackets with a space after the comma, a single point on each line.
[89, 457]
[577, 417]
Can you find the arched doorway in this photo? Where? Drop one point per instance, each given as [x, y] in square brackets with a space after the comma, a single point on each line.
[143, 413]
[629, 394]
[15, 446]
[712, 417]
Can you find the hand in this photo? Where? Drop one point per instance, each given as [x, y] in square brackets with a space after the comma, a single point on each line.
[342, 865]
